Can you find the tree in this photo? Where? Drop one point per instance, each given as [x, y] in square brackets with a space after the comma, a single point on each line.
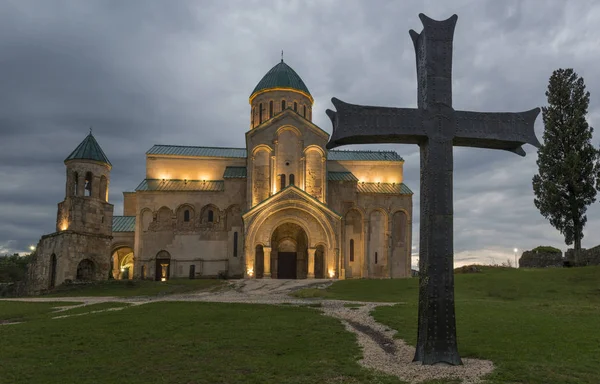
[569, 173]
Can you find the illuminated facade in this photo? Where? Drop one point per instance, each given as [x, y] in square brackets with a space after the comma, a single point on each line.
[283, 207]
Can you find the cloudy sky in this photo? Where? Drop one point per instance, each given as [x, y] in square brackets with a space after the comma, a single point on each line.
[180, 72]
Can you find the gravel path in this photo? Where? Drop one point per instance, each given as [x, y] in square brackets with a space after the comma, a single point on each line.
[381, 351]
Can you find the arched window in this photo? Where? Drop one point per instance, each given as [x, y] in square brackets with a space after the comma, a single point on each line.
[282, 105]
[351, 249]
[304, 112]
[270, 108]
[186, 215]
[295, 107]
[282, 184]
[235, 244]
[375, 257]
[291, 179]
[252, 117]
[211, 216]
[88, 184]
[260, 109]
[76, 183]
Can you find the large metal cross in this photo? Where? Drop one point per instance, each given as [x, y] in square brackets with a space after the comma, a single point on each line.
[436, 127]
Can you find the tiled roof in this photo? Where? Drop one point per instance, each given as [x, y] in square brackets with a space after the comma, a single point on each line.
[181, 185]
[364, 156]
[281, 76]
[341, 176]
[123, 224]
[89, 149]
[385, 188]
[241, 153]
[182, 150]
[234, 173]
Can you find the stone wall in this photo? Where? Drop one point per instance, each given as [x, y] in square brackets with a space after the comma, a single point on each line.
[588, 256]
[535, 259]
[59, 255]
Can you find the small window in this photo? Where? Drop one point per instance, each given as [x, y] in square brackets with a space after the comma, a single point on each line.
[76, 183]
[375, 257]
[186, 215]
[270, 108]
[282, 105]
[260, 109]
[295, 107]
[235, 244]
[211, 216]
[252, 116]
[88, 184]
[282, 185]
[304, 112]
[351, 249]
[291, 179]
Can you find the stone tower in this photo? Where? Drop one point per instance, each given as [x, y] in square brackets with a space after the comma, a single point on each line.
[80, 247]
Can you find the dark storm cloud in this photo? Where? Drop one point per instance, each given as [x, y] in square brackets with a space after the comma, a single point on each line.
[146, 72]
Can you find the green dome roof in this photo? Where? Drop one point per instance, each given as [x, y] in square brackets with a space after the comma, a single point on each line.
[89, 149]
[281, 76]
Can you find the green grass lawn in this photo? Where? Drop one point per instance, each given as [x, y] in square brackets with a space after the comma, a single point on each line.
[14, 311]
[184, 342]
[130, 288]
[536, 325]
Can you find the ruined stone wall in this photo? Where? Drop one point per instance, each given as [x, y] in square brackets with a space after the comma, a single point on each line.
[69, 249]
[588, 256]
[535, 259]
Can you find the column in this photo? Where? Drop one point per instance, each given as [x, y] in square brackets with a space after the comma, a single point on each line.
[81, 184]
[365, 260]
[267, 263]
[324, 179]
[311, 263]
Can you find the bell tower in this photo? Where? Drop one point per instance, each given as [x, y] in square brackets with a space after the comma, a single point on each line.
[86, 208]
[80, 247]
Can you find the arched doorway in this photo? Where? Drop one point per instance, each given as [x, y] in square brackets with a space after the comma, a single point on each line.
[85, 270]
[52, 271]
[289, 252]
[163, 266]
[122, 263]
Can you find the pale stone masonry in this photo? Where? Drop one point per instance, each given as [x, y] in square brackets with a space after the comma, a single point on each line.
[282, 207]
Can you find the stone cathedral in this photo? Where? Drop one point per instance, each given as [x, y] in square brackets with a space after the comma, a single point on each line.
[282, 207]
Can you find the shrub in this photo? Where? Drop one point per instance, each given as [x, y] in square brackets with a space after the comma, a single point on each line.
[546, 249]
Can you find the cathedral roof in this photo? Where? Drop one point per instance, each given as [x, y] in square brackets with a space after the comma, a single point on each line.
[281, 76]
[123, 224]
[385, 188]
[89, 149]
[335, 155]
[181, 185]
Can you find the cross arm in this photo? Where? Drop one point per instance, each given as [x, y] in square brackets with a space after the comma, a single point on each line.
[357, 124]
[507, 131]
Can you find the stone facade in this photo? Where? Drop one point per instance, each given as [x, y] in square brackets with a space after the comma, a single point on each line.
[78, 249]
[282, 207]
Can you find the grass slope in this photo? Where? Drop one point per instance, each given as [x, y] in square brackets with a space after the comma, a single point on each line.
[185, 342]
[536, 325]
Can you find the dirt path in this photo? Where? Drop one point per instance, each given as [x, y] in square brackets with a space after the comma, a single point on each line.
[381, 351]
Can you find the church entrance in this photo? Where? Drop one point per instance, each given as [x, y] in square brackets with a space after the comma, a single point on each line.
[286, 265]
[289, 252]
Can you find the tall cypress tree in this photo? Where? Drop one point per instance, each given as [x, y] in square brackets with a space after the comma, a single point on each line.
[569, 173]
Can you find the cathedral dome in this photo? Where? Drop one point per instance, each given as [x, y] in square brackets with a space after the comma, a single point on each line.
[281, 77]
